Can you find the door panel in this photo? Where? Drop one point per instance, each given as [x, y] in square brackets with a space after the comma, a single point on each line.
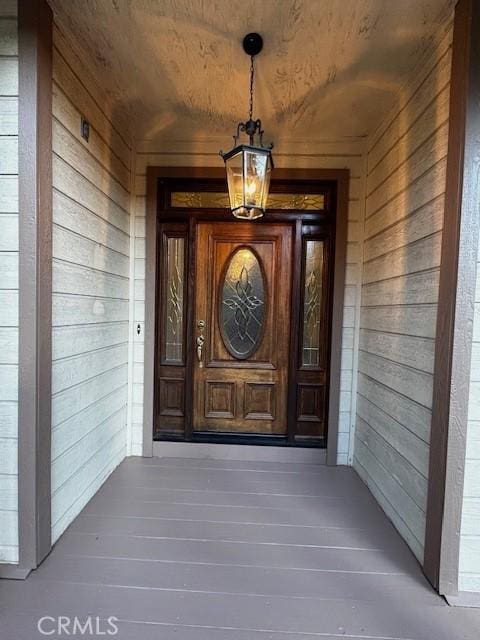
[311, 374]
[171, 329]
[243, 292]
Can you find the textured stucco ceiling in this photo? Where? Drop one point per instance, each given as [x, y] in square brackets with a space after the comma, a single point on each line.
[176, 69]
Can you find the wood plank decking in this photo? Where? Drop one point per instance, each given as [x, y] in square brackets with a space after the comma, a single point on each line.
[222, 550]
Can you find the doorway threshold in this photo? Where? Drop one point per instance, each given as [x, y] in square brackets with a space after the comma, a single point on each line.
[216, 451]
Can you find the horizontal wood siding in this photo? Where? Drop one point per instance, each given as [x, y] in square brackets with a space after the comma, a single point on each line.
[8, 283]
[405, 188]
[326, 155]
[91, 271]
[469, 567]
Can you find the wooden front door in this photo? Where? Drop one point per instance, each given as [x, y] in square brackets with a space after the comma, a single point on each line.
[244, 314]
[242, 327]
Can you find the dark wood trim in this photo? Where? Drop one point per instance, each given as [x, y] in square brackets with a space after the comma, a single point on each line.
[216, 215]
[455, 307]
[341, 177]
[150, 305]
[35, 280]
[189, 363]
[294, 333]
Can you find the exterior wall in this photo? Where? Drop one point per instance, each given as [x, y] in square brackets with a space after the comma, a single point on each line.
[8, 283]
[469, 567]
[91, 246]
[337, 155]
[406, 162]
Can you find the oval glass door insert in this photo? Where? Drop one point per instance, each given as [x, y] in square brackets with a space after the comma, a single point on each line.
[242, 305]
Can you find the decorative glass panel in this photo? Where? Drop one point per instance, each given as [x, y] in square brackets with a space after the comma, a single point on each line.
[208, 200]
[312, 305]
[174, 300]
[199, 200]
[298, 201]
[242, 310]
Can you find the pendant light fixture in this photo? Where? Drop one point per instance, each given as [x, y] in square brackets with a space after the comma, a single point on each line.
[249, 165]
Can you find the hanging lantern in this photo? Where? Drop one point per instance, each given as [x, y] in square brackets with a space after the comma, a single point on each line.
[249, 165]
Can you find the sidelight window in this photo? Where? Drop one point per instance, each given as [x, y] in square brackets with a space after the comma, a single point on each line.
[312, 302]
[174, 288]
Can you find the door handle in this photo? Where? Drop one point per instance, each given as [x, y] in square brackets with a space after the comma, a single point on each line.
[200, 342]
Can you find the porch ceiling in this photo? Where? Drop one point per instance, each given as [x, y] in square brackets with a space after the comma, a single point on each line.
[175, 70]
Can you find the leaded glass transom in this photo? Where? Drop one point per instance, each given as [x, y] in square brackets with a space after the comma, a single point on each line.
[213, 200]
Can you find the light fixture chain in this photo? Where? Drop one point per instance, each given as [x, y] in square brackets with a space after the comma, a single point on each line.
[252, 76]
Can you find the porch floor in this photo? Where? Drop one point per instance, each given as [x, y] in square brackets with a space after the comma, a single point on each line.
[225, 550]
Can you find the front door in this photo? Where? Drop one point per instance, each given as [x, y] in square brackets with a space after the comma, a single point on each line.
[243, 314]
[242, 327]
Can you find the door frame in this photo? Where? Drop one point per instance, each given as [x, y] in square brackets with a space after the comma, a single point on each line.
[341, 179]
[287, 228]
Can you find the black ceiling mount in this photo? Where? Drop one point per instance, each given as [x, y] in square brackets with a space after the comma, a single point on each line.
[252, 44]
